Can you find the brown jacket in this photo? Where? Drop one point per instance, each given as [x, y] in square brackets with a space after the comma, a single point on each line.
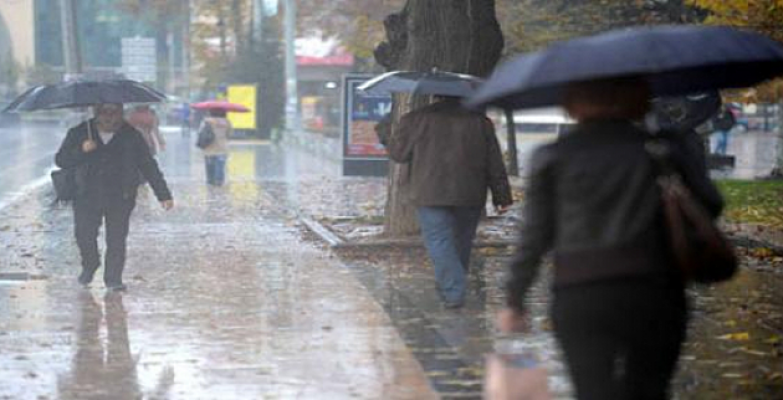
[454, 156]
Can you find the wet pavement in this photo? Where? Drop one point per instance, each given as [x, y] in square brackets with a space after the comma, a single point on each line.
[231, 297]
[225, 301]
[26, 154]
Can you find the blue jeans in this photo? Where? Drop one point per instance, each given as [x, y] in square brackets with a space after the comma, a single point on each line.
[216, 169]
[723, 142]
[448, 234]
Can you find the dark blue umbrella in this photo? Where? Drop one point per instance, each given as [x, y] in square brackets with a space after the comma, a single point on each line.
[422, 83]
[81, 93]
[675, 60]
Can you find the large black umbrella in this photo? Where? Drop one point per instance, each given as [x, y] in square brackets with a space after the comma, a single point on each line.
[675, 60]
[422, 83]
[82, 93]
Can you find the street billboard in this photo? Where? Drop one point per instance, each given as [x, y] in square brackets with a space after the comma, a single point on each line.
[139, 59]
[246, 96]
[363, 154]
[361, 112]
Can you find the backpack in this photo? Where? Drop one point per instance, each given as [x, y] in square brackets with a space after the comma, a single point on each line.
[205, 136]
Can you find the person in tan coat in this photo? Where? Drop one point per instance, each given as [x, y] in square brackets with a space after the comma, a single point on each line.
[216, 153]
[455, 157]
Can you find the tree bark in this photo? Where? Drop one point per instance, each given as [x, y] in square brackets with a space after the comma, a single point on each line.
[450, 35]
[238, 28]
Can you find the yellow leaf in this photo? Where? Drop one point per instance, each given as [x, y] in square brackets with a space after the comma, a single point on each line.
[739, 337]
[773, 340]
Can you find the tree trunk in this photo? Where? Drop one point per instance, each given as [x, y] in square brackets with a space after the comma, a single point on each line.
[237, 26]
[450, 35]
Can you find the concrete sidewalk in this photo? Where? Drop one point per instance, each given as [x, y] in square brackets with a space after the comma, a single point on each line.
[225, 301]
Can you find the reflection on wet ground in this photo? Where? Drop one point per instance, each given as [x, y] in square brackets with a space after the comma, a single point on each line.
[227, 300]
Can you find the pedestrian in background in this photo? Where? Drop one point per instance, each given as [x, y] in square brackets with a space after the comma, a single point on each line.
[216, 152]
[723, 123]
[146, 121]
[186, 119]
[109, 156]
[619, 308]
[455, 157]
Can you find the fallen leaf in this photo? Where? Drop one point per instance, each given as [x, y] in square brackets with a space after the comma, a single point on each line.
[739, 337]
[773, 340]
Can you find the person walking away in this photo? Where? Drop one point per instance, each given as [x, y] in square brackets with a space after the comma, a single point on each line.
[146, 121]
[186, 119]
[455, 157]
[723, 122]
[619, 307]
[109, 157]
[216, 153]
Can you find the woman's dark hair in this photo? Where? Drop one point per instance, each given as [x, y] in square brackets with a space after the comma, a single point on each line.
[624, 98]
[217, 113]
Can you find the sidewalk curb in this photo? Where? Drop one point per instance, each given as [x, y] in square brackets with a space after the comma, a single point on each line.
[336, 242]
[324, 233]
[749, 242]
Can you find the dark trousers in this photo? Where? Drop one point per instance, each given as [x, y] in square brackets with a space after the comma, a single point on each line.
[89, 214]
[622, 339]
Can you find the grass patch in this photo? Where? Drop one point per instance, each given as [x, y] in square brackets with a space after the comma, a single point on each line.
[757, 202]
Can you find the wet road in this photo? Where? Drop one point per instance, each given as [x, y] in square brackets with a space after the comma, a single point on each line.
[26, 156]
[225, 302]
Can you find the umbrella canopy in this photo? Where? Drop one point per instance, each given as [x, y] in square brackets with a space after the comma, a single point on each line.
[81, 93]
[422, 83]
[684, 113]
[220, 105]
[675, 60]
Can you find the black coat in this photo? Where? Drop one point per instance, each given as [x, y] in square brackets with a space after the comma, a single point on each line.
[137, 161]
[592, 199]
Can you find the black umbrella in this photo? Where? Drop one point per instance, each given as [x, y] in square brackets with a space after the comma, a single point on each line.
[422, 83]
[675, 60]
[81, 93]
[684, 113]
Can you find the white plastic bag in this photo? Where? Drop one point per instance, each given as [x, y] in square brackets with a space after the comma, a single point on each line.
[515, 373]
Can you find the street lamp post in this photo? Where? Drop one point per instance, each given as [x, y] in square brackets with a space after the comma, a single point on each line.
[292, 119]
[71, 54]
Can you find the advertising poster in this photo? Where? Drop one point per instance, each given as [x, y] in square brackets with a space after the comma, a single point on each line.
[361, 112]
[246, 96]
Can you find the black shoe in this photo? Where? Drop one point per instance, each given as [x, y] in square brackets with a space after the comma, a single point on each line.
[85, 279]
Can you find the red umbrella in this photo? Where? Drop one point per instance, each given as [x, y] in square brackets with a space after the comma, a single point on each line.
[220, 105]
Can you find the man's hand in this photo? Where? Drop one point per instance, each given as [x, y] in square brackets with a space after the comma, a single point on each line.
[502, 209]
[509, 320]
[89, 145]
[167, 204]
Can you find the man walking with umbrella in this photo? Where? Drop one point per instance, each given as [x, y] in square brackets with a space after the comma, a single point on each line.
[455, 158]
[109, 156]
